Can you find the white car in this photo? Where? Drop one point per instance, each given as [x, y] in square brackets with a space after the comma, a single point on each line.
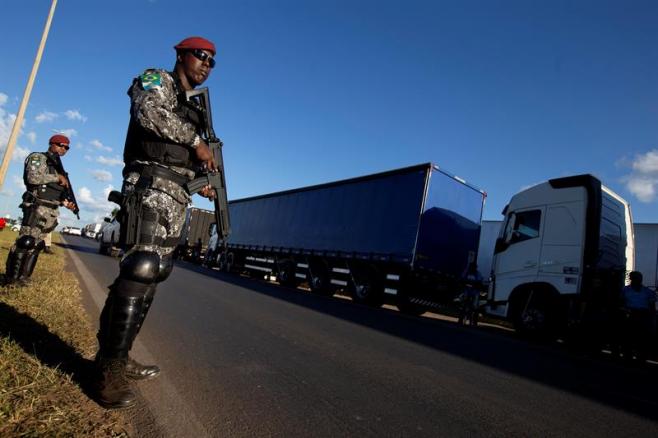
[75, 231]
[109, 238]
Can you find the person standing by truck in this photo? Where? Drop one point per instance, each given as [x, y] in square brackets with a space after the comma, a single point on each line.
[470, 297]
[639, 308]
[163, 152]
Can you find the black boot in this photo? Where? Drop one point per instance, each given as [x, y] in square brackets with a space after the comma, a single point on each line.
[134, 369]
[118, 326]
[15, 267]
[112, 389]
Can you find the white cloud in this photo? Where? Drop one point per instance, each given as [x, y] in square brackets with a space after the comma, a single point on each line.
[101, 175]
[116, 161]
[95, 204]
[6, 122]
[100, 146]
[68, 132]
[647, 163]
[643, 180]
[46, 116]
[75, 115]
[32, 136]
[84, 196]
[644, 189]
[88, 157]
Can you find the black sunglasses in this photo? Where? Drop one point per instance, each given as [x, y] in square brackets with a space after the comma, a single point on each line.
[203, 56]
[62, 145]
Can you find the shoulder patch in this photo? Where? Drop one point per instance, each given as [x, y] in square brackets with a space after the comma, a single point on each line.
[34, 159]
[151, 80]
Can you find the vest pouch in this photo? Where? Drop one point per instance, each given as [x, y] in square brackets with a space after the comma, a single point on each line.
[50, 192]
[166, 153]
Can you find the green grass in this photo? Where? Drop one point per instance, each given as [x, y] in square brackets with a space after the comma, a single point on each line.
[46, 348]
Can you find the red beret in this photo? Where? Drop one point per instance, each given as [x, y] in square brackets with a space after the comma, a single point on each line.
[59, 138]
[192, 43]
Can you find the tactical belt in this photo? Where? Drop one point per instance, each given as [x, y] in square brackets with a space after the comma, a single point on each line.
[30, 198]
[151, 170]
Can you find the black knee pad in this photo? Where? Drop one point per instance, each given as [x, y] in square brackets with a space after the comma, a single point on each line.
[40, 246]
[129, 288]
[140, 266]
[26, 242]
[165, 267]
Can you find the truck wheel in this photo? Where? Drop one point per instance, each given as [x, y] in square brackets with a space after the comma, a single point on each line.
[532, 314]
[286, 273]
[319, 284]
[366, 289]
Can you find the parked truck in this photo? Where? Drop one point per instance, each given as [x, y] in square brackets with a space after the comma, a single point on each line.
[404, 236]
[195, 234]
[563, 254]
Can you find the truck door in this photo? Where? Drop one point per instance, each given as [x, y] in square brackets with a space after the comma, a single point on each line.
[517, 251]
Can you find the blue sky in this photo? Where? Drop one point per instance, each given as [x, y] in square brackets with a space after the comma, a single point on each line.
[504, 94]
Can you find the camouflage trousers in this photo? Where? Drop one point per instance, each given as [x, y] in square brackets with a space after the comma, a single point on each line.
[38, 221]
[164, 203]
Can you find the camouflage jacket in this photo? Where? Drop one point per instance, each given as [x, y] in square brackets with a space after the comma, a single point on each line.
[154, 101]
[37, 170]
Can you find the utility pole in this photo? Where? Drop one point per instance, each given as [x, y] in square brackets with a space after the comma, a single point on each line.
[26, 97]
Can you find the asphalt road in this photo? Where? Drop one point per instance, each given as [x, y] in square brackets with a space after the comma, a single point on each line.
[243, 358]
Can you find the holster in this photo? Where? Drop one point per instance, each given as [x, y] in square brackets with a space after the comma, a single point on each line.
[128, 216]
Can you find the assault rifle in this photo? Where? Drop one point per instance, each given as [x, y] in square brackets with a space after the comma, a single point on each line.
[199, 100]
[70, 196]
[67, 193]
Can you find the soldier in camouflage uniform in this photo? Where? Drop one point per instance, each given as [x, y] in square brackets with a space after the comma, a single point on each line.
[46, 184]
[162, 152]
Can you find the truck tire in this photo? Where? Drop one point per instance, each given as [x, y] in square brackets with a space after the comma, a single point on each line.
[318, 280]
[366, 287]
[533, 314]
[286, 273]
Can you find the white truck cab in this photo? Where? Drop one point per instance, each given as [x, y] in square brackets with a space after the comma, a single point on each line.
[565, 248]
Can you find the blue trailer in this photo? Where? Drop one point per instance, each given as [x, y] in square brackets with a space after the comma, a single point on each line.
[405, 236]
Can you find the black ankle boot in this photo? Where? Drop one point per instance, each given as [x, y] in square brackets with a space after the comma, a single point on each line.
[137, 371]
[112, 389]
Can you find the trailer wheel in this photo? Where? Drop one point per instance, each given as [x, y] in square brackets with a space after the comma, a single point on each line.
[320, 285]
[286, 273]
[366, 287]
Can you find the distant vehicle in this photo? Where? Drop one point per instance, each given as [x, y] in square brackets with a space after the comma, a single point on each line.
[74, 231]
[3, 223]
[195, 235]
[91, 230]
[109, 238]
